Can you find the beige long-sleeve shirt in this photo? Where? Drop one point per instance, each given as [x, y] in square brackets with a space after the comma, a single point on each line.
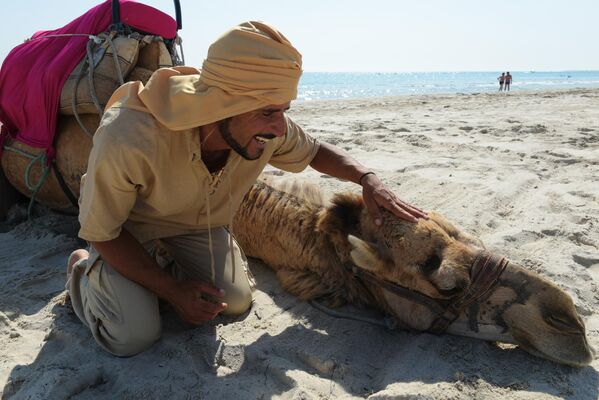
[152, 181]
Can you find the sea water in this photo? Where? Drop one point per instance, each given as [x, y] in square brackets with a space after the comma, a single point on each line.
[351, 85]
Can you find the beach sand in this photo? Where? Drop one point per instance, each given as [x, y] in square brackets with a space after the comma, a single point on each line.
[518, 170]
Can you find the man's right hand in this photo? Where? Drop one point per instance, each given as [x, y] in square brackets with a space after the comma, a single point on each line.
[197, 302]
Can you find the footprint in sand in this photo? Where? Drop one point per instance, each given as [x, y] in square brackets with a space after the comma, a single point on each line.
[538, 128]
[586, 259]
[332, 140]
[359, 127]
[594, 271]
[552, 232]
[465, 128]
[581, 238]
[523, 237]
[584, 195]
[560, 158]
[418, 141]
[493, 224]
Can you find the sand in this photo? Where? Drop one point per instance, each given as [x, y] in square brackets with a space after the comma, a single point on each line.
[519, 170]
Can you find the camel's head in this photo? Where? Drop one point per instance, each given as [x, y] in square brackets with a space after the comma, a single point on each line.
[541, 318]
[435, 258]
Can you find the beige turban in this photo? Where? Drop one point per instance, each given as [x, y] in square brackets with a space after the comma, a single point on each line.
[251, 66]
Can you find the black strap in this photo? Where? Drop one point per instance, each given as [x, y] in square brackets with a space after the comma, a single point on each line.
[64, 187]
[116, 13]
[178, 14]
[437, 306]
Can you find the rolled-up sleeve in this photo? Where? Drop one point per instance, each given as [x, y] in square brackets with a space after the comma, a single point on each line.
[108, 189]
[296, 151]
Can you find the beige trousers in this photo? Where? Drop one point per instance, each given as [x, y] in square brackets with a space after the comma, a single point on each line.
[123, 316]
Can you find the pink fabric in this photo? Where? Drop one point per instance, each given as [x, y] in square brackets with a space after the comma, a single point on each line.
[147, 19]
[33, 73]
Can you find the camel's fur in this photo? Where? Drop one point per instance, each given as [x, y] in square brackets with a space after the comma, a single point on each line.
[306, 238]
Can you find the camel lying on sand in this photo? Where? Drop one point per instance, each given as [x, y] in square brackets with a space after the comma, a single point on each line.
[430, 276]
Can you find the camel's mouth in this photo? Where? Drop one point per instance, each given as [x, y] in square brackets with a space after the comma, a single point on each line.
[569, 348]
[491, 332]
[570, 360]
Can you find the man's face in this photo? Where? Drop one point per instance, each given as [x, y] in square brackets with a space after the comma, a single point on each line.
[247, 134]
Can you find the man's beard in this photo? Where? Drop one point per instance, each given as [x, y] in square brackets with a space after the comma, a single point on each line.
[223, 127]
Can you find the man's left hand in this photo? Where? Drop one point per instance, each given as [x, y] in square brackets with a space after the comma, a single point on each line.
[376, 196]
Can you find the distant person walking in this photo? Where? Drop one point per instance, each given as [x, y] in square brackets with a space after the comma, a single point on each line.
[507, 82]
[501, 80]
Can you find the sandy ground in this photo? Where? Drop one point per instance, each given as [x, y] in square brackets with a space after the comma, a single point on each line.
[519, 170]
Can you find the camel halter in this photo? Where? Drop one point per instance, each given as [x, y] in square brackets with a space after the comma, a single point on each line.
[484, 275]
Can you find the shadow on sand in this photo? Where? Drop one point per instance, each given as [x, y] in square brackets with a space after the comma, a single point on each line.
[315, 354]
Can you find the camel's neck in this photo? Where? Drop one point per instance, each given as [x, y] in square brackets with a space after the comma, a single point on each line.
[279, 228]
[282, 230]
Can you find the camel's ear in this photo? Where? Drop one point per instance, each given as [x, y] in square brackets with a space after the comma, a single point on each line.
[365, 255]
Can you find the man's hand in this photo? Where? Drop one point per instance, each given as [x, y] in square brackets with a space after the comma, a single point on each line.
[376, 195]
[197, 302]
[336, 162]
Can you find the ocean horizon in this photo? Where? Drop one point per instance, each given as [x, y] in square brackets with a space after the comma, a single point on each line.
[355, 85]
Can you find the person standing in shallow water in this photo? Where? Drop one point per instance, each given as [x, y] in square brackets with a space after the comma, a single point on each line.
[508, 81]
[501, 80]
[170, 164]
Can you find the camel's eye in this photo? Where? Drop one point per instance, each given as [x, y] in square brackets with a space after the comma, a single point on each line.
[432, 264]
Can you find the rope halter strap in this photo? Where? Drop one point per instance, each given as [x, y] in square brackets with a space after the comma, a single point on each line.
[484, 275]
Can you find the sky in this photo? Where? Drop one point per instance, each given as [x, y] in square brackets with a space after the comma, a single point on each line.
[373, 35]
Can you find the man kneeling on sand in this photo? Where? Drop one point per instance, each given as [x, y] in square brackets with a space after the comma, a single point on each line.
[170, 164]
